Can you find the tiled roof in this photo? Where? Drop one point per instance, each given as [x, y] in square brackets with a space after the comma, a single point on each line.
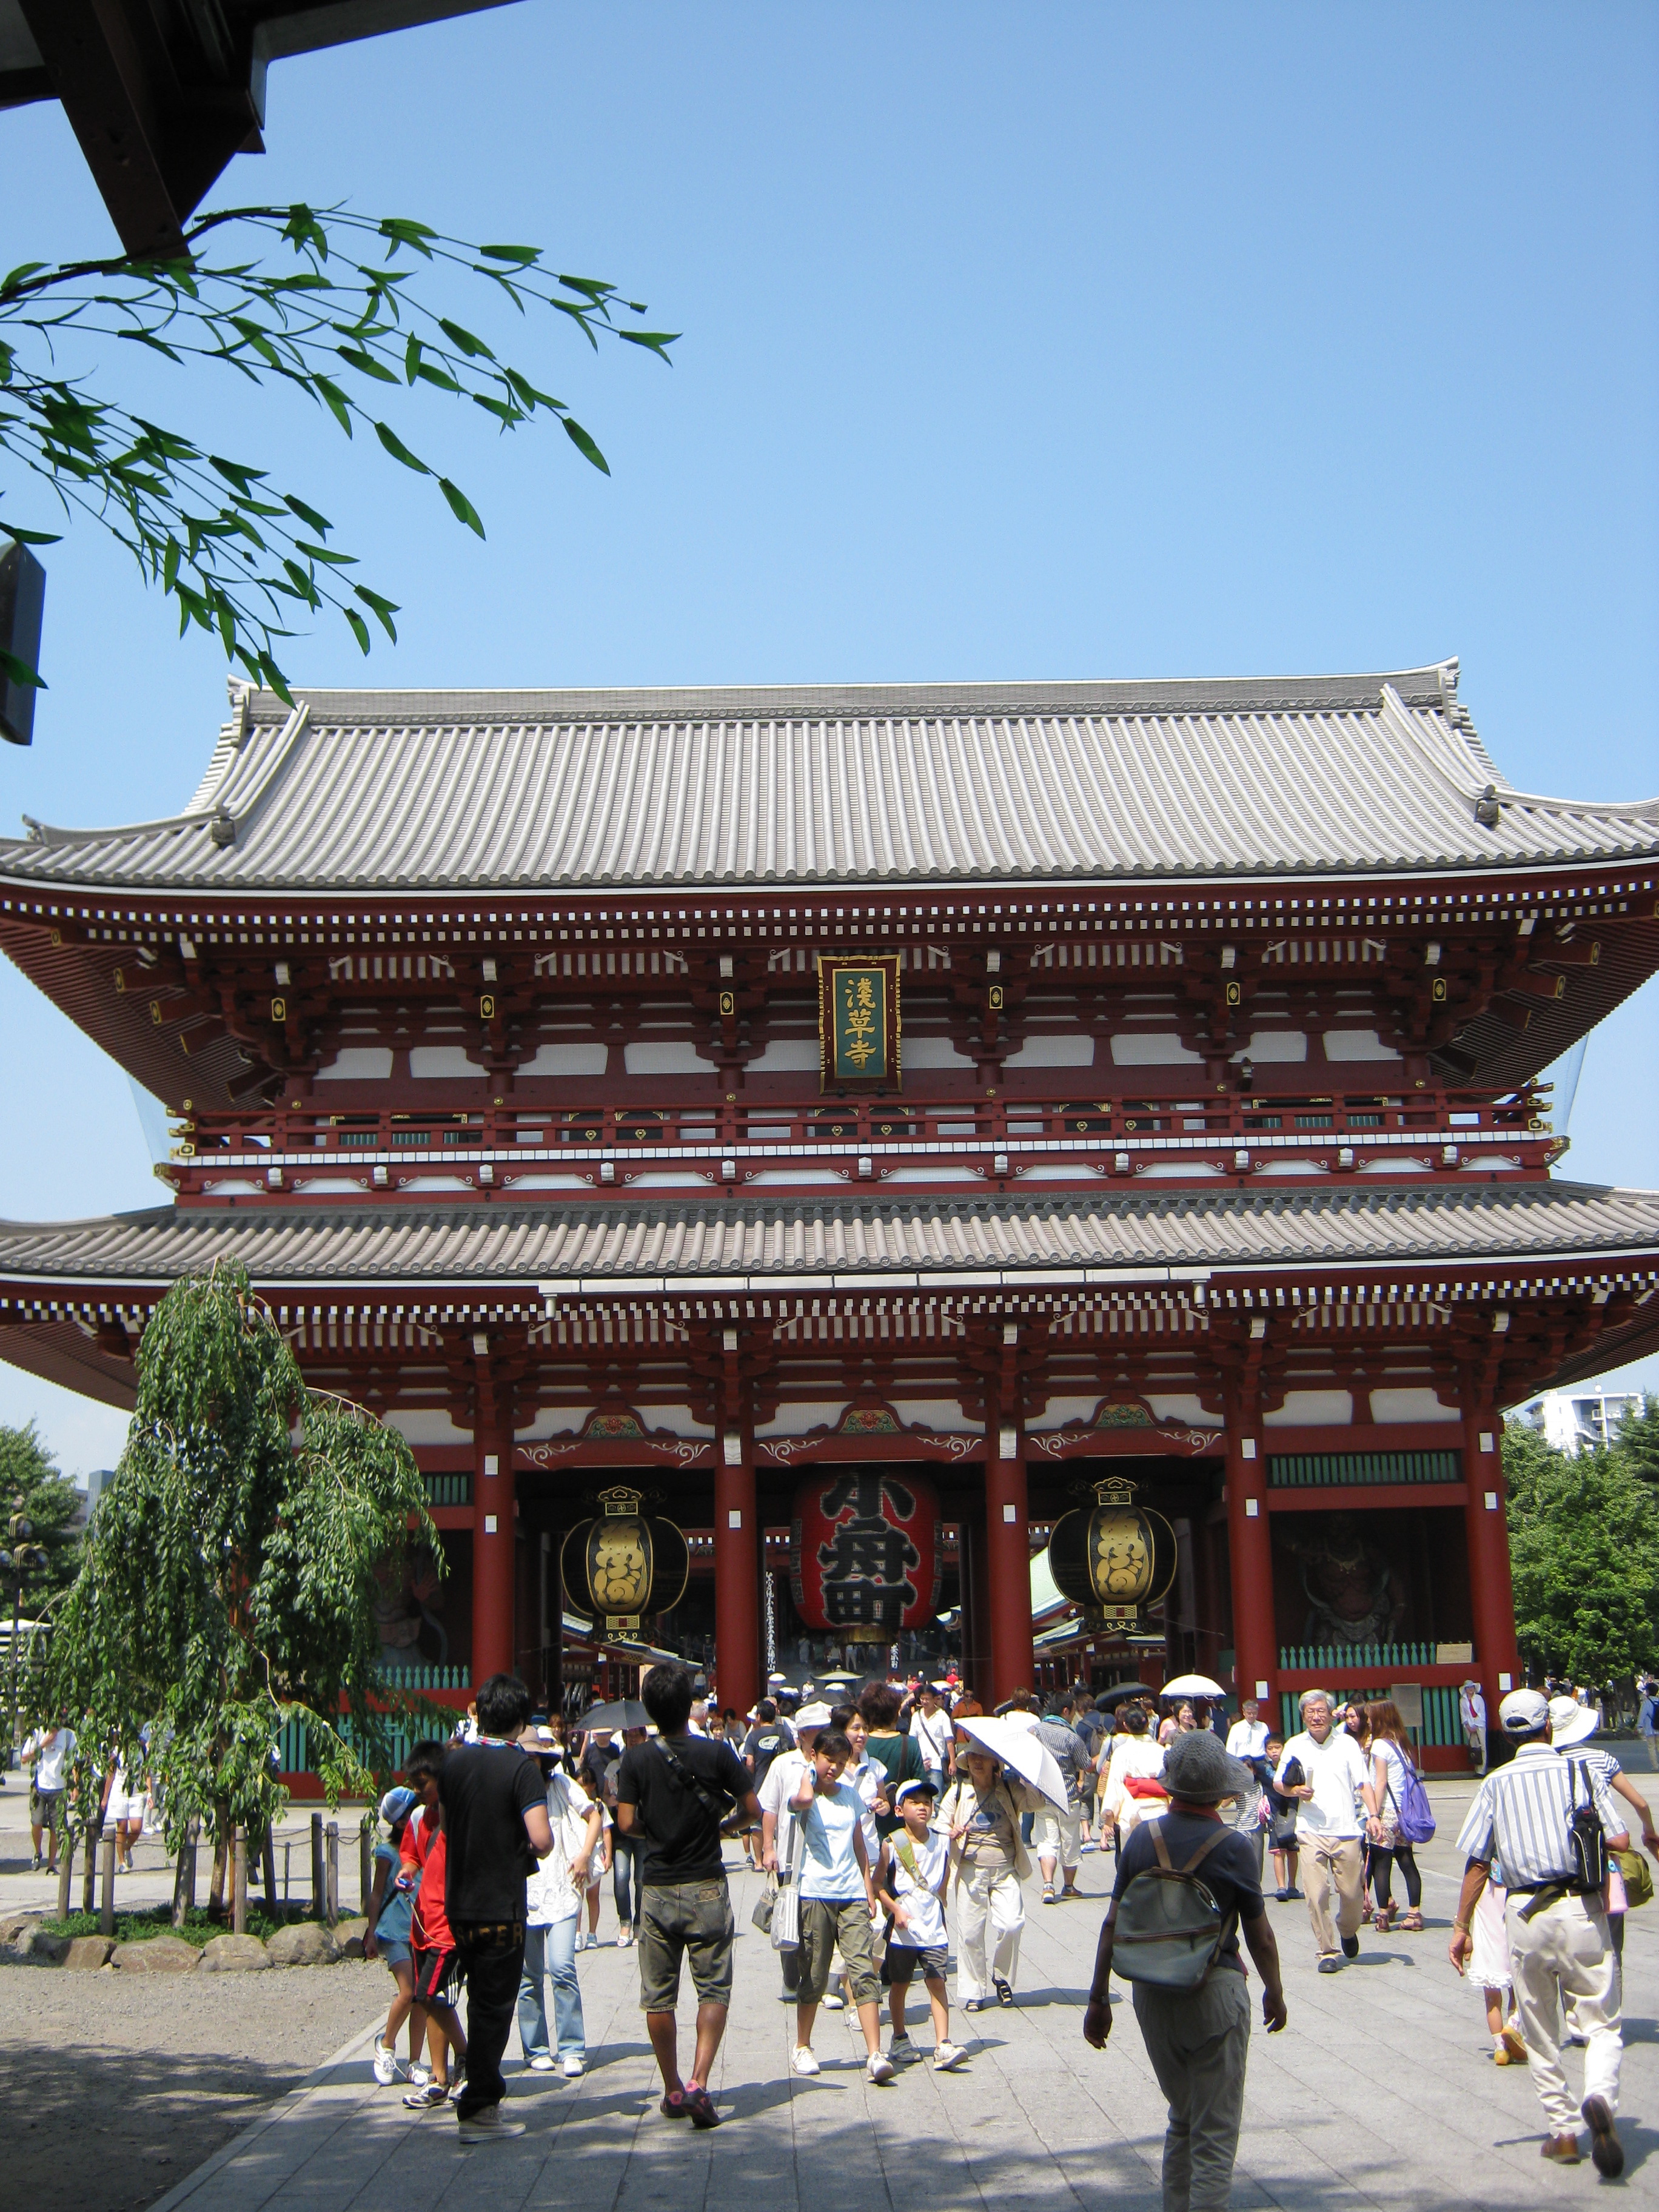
[823, 785]
[640, 1246]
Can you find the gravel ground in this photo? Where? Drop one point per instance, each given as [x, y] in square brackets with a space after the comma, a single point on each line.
[112, 2086]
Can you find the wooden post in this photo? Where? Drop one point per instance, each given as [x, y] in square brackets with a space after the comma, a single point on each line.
[239, 1884]
[318, 1879]
[65, 1870]
[332, 1906]
[365, 1865]
[107, 1909]
[89, 1872]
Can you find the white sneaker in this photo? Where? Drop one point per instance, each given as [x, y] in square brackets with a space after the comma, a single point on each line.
[804, 2063]
[947, 2057]
[385, 2066]
[901, 2051]
[572, 2068]
[833, 2000]
[878, 2067]
[625, 1941]
[543, 2063]
[420, 2074]
[487, 2125]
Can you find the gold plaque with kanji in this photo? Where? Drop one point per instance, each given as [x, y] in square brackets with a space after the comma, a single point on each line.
[859, 1022]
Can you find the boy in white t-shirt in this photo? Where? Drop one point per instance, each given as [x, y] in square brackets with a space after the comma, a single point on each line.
[911, 1885]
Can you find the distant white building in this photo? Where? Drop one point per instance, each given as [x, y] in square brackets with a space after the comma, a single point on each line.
[1570, 1420]
[89, 1489]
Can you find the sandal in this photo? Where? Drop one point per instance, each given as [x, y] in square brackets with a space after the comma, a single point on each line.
[1004, 1992]
[1380, 1922]
[1412, 1925]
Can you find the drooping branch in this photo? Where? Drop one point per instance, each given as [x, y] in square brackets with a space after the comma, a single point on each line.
[243, 559]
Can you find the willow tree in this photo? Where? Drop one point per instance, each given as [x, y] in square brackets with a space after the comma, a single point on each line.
[229, 1581]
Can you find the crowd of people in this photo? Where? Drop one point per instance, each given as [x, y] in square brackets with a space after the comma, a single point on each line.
[906, 1825]
[892, 1835]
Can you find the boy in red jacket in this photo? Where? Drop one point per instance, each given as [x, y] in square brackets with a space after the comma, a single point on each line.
[437, 1968]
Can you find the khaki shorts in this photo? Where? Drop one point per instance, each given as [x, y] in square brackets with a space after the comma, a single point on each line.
[825, 1924]
[689, 1920]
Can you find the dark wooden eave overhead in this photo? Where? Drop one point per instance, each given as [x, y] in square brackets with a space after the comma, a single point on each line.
[162, 92]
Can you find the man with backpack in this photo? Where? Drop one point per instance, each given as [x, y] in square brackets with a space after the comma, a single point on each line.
[1187, 1886]
[1550, 1820]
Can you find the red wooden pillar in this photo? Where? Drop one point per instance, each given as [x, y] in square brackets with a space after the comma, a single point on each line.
[1250, 1549]
[976, 1599]
[1007, 1561]
[737, 1572]
[1492, 1597]
[494, 1638]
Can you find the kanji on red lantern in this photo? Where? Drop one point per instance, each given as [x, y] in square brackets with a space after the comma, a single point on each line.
[865, 1549]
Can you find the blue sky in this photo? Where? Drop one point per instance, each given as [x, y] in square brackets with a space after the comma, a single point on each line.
[1071, 341]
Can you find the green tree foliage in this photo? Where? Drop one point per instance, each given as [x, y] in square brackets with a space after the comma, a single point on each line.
[29, 1471]
[1638, 1439]
[230, 1577]
[356, 335]
[1584, 1555]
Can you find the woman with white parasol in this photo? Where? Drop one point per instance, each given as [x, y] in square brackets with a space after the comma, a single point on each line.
[1008, 1773]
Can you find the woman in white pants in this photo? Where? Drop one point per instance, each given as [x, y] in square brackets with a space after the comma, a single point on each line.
[981, 1815]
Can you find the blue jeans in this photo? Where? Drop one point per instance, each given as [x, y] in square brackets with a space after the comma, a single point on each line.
[552, 1951]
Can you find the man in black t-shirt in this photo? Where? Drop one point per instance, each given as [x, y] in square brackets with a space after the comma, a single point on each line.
[1198, 2039]
[493, 1811]
[674, 1793]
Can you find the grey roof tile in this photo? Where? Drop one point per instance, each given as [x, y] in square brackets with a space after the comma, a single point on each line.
[823, 785]
[357, 1249]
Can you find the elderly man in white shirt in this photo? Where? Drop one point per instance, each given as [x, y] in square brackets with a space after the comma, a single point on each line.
[1248, 1736]
[1329, 1825]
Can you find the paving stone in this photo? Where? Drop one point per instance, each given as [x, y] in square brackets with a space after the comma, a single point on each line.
[1379, 2097]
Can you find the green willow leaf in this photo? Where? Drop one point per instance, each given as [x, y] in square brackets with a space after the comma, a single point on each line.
[461, 505]
[399, 452]
[583, 445]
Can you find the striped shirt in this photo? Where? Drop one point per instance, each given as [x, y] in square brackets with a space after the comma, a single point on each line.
[1523, 1814]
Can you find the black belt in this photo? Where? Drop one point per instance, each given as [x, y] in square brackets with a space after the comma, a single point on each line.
[1550, 1881]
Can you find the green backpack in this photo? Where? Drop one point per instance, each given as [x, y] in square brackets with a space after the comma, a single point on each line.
[1167, 1927]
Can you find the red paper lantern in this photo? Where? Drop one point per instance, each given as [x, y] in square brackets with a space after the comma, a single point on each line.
[866, 1551]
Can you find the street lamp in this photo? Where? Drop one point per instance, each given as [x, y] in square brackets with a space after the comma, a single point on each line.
[19, 1558]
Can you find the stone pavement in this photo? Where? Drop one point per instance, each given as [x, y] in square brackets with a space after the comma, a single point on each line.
[1381, 2092]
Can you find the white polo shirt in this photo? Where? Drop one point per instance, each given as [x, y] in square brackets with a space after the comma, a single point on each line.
[1336, 1769]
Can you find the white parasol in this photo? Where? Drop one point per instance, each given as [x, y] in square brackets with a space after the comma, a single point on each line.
[1020, 1751]
[1192, 1686]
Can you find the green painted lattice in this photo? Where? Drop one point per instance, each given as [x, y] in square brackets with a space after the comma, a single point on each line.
[1335, 1470]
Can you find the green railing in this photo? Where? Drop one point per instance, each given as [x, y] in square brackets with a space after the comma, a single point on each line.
[294, 1749]
[1350, 1658]
[1442, 1722]
[429, 1678]
[448, 1489]
[1333, 1470]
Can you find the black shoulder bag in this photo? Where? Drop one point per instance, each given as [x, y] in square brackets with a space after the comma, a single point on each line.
[727, 1822]
[1587, 1839]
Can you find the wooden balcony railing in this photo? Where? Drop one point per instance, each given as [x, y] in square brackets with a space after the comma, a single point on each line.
[282, 1150]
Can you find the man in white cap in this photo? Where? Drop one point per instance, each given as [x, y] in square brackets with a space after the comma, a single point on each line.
[783, 1779]
[1559, 1947]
